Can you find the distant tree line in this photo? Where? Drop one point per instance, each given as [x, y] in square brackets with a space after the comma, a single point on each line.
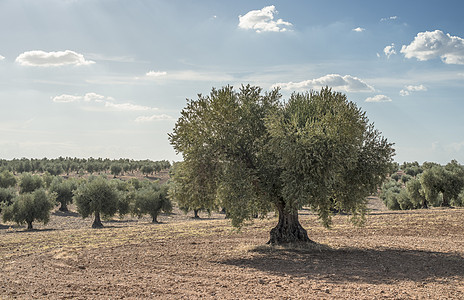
[413, 186]
[67, 165]
[27, 197]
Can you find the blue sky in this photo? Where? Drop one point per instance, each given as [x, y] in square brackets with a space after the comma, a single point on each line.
[90, 78]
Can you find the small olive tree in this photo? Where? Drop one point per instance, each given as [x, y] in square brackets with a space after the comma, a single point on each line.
[152, 199]
[7, 179]
[30, 207]
[64, 190]
[97, 196]
[29, 183]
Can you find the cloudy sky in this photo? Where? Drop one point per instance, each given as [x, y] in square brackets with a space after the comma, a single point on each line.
[91, 78]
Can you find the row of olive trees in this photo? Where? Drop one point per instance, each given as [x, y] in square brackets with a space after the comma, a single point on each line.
[31, 198]
[79, 165]
[431, 184]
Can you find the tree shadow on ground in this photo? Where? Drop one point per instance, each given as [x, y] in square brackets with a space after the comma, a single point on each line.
[352, 264]
[22, 229]
[65, 213]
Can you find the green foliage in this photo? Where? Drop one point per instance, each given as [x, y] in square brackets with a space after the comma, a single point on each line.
[389, 194]
[448, 180]
[116, 169]
[405, 178]
[416, 193]
[29, 183]
[64, 190]
[30, 207]
[126, 196]
[47, 179]
[6, 196]
[152, 199]
[97, 196]
[7, 179]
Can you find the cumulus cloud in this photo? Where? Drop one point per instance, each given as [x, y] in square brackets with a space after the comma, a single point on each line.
[431, 44]
[379, 98]
[156, 73]
[389, 18]
[358, 29]
[64, 98]
[346, 83]
[127, 107]
[263, 20]
[107, 101]
[38, 58]
[412, 88]
[143, 119]
[389, 50]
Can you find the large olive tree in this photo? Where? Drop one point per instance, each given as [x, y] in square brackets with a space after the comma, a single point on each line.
[258, 154]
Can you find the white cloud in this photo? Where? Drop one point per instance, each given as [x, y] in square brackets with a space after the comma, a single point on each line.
[155, 74]
[389, 50]
[378, 98]
[2, 57]
[39, 58]
[263, 20]
[389, 18]
[127, 107]
[359, 29]
[346, 83]
[412, 88]
[431, 44]
[94, 97]
[66, 98]
[107, 101]
[153, 118]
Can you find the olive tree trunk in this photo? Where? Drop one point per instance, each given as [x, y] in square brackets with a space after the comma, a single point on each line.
[97, 222]
[64, 207]
[29, 225]
[154, 218]
[289, 229]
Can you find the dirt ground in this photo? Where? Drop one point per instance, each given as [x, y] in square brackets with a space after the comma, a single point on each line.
[396, 255]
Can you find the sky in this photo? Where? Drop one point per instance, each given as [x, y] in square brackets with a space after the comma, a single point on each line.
[109, 78]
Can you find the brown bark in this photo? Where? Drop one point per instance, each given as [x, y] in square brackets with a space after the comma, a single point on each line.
[29, 225]
[97, 222]
[64, 207]
[288, 229]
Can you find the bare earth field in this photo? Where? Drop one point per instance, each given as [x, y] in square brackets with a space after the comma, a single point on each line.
[396, 255]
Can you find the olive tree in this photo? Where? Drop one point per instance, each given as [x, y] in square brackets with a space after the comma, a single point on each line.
[29, 183]
[7, 179]
[30, 207]
[64, 190]
[447, 180]
[97, 196]
[152, 199]
[261, 154]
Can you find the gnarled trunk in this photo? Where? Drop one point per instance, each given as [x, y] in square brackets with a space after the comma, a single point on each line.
[155, 218]
[445, 202]
[195, 214]
[64, 207]
[289, 229]
[29, 225]
[97, 222]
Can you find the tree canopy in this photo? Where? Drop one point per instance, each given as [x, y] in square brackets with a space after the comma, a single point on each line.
[250, 153]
